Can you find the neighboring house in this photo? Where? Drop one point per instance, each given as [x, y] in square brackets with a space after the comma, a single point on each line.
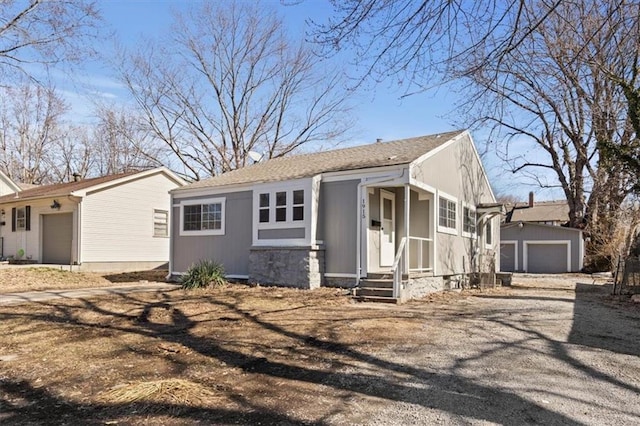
[421, 208]
[7, 185]
[534, 239]
[118, 222]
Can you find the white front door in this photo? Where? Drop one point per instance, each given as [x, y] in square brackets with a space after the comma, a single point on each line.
[388, 228]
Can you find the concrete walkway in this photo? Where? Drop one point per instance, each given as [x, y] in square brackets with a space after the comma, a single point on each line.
[81, 293]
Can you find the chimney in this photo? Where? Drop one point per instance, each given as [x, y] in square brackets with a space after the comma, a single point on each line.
[76, 177]
[531, 199]
[378, 140]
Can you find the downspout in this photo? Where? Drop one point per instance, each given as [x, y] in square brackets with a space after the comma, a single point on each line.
[172, 238]
[361, 205]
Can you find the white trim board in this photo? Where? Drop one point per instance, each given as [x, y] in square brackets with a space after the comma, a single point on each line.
[525, 251]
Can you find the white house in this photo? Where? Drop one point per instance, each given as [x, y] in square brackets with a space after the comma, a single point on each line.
[111, 223]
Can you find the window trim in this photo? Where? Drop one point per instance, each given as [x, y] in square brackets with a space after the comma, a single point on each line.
[22, 209]
[488, 223]
[153, 223]
[472, 209]
[446, 229]
[288, 222]
[203, 201]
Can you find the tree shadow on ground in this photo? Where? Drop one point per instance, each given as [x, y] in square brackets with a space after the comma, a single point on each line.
[374, 377]
[599, 326]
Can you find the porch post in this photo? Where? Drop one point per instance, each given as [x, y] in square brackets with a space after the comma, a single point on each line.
[407, 211]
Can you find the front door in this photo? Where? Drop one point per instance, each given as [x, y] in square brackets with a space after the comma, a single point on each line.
[388, 228]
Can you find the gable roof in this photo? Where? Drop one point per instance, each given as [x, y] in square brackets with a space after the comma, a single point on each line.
[9, 182]
[542, 211]
[72, 188]
[378, 154]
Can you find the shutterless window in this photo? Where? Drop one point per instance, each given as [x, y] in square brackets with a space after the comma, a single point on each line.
[264, 208]
[469, 220]
[201, 217]
[298, 205]
[281, 206]
[160, 223]
[447, 213]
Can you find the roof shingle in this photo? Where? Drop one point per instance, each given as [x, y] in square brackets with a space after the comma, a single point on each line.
[60, 189]
[306, 165]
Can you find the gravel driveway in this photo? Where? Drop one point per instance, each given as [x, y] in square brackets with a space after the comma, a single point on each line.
[557, 351]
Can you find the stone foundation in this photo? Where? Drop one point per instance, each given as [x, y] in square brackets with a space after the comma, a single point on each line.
[418, 287]
[300, 267]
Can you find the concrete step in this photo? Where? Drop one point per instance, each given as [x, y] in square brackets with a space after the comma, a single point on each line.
[377, 299]
[380, 275]
[372, 291]
[376, 283]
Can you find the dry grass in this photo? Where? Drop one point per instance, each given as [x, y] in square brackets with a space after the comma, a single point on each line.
[14, 279]
[262, 355]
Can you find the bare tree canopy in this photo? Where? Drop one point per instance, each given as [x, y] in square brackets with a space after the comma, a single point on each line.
[44, 32]
[227, 80]
[422, 43]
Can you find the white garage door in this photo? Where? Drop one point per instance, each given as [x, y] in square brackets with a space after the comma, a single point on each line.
[547, 258]
[57, 231]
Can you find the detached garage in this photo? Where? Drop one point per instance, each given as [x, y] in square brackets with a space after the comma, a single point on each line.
[538, 248]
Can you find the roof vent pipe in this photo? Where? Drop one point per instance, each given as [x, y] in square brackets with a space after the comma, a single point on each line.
[531, 199]
[378, 140]
[76, 177]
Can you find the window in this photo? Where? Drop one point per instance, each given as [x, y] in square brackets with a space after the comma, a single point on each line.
[447, 215]
[21, 219]
[468, 221]
[298, 205]
[488, 239]
[160, 223]
[203, 218]
[281, 206]
[264, 208]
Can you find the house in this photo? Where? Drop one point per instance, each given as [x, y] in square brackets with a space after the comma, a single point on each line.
[111, 223]
[535, 239]
[7, 185]
[420, 210]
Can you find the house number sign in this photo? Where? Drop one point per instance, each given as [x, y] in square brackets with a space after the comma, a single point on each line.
[364, 209]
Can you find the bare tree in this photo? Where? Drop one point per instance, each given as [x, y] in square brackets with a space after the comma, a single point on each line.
[44, 32]
[31, 125]
[230, 81]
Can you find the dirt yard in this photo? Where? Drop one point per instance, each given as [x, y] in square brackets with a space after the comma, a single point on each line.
[548, 351]
[22, 279]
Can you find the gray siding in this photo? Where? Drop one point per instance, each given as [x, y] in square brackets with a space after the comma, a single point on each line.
[537, 257]
[337, 218]
[508, 258]
[456, 171]
[280, 234]
[231, 249]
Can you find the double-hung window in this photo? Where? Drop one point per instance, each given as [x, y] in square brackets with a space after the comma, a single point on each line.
[205, 217]
[488, 238]
[468, 221]
[447, 215]
[160, 223]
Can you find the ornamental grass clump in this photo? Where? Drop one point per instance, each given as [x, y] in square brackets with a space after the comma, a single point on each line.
[205, 273]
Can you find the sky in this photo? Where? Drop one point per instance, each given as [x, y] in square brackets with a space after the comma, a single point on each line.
[379, 110]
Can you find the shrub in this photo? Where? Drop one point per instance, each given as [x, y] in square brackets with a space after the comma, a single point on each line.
[205, 273]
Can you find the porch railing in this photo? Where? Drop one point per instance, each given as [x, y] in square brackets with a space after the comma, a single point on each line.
[420, 252]
[398, 267]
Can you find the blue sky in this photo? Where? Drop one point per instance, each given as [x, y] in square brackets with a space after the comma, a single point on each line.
[379, 110]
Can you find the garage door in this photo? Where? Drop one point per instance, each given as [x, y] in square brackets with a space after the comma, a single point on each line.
[57, 231]
[508, 257]
[547, 258]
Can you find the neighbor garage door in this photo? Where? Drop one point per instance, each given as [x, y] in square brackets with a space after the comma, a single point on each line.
[57, 231]
[547, 258]
[508, 257]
